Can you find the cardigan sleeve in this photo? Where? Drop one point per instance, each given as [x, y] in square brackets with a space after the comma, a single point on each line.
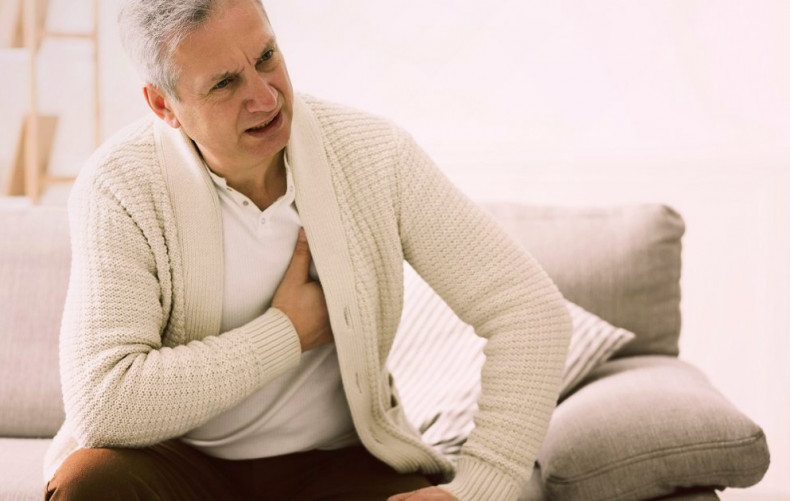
[493, 284]
[121, 386]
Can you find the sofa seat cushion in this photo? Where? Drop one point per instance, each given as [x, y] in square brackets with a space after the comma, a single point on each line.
[642, 427]
[21, 461]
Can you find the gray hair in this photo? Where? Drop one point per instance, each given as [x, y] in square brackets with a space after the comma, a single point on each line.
[152, 29]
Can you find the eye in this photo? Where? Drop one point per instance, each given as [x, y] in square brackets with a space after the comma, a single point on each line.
[222, 84]
[267, 56]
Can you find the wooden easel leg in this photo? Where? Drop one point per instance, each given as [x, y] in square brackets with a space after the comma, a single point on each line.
[14, 184]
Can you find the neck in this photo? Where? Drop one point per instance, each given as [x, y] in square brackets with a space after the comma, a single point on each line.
[259, 181]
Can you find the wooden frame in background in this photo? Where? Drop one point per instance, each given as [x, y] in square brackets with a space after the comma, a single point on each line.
[28, 173]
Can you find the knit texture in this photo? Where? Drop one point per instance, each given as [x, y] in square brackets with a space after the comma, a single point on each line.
[133, 375]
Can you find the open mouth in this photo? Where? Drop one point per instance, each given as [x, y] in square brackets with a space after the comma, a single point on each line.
[266, 126]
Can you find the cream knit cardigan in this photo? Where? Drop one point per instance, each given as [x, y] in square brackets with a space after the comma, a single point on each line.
[141, 356]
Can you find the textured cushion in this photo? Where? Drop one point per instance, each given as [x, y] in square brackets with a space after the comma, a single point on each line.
[34, 271]
[640, 427]
[433, 345]
[621, 263]
[20, 468]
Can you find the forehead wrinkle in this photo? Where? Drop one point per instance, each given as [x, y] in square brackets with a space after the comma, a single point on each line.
[226, 73]
[269, 41]
[252, 61]
[266, 46]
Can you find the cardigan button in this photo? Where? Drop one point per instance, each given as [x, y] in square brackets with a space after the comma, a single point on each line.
[359, 384]
[347, 316]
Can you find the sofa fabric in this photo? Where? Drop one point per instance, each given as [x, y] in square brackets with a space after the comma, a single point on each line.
[34, 272]
[20, 468]
[620, 263]
[643, 426]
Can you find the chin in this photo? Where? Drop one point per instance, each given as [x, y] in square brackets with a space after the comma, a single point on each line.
[269, 148]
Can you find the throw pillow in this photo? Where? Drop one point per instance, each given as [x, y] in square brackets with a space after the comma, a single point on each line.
[593, 341]
[433, 344]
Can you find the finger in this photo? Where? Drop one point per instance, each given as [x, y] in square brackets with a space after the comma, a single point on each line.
[400, 497]
[299, 269]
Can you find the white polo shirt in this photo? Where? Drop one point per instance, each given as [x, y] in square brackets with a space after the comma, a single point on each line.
[304, 408]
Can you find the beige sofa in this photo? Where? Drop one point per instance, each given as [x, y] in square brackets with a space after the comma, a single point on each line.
[643, 425]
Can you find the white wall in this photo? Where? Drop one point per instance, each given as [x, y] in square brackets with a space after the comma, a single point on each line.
[597, 103]
[684, 102]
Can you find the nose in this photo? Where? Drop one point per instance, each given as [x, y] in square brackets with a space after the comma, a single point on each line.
[262, 95]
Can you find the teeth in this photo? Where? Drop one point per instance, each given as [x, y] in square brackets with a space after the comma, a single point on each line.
[265, 124]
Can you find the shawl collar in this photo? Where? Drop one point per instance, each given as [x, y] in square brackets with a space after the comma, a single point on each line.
[198, 217]
[319, 211]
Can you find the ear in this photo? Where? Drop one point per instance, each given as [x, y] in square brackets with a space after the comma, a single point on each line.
[161, 105]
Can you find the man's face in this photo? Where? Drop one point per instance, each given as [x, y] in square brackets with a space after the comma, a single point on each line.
[235, 96]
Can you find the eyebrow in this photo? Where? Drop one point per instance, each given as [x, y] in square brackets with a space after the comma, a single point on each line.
[228, 74]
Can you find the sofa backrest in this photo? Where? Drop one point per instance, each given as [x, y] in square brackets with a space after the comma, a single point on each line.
[34, 270]
[621, 263]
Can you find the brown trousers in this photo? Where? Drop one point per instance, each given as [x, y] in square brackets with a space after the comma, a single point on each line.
[173, 470]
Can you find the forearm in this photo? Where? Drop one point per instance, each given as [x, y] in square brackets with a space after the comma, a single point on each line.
[136, 394]
[493, 284]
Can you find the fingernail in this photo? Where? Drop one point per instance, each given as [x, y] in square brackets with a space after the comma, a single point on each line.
[302, 235]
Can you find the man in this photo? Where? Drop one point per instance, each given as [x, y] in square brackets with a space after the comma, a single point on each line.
[201, 358]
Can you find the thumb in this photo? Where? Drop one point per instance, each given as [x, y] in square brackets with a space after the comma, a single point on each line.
[299, 269]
